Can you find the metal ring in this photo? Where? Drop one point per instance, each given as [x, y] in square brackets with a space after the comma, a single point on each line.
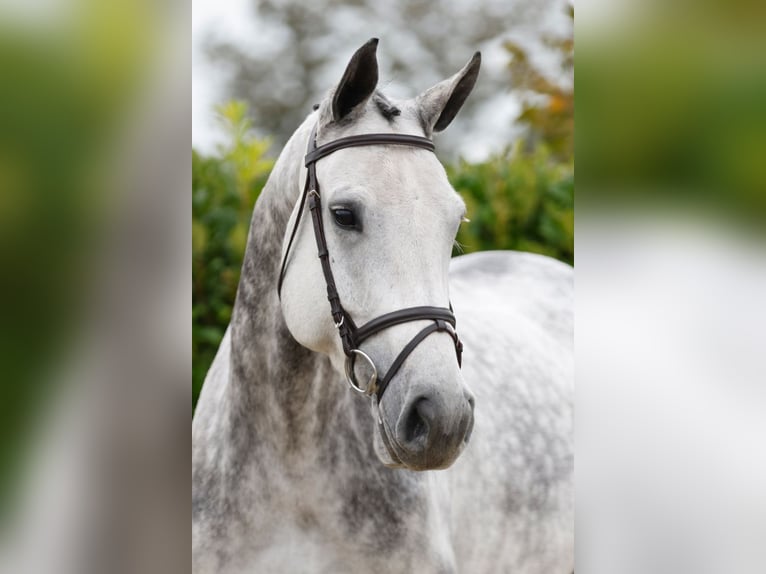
[372, 385]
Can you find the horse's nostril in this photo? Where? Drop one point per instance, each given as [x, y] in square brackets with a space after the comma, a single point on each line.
[468, 420]
[468, 430]
[471, 400]
[419, 420]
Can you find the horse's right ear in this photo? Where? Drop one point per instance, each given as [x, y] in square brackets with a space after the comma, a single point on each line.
[358, 82]
[440, 104]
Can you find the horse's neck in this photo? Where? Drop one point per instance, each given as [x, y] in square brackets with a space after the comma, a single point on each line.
[278, 391]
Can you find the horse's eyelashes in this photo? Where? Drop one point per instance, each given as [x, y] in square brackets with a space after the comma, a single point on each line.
[344, 217]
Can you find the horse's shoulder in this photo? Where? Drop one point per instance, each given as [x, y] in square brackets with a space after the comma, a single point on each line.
[511, 264]
[516, 276]
[506, 286]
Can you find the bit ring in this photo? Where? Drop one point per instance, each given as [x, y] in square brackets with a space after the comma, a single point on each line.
[371, 385]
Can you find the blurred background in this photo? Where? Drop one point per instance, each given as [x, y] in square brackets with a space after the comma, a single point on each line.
[96, 186]
[670, 286]
[94, 299]
[258, 67]
[282, 56]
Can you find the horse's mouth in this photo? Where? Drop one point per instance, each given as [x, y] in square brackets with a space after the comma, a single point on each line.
[397, 455]
[400, 457]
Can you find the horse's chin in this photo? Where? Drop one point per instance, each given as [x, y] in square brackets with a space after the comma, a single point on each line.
[386, 449]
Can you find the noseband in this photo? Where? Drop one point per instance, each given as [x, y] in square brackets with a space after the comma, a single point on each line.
[350, 335]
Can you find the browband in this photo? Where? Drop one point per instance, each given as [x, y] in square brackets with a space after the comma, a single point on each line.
[366, 140]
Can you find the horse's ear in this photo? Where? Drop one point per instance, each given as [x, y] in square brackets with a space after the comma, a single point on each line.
[358, 82]
[440, 104]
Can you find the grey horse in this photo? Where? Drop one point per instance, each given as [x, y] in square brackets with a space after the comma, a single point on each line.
[454, 470]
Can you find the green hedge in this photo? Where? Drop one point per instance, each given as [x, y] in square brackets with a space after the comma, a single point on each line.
[517, 200]
[522, 200]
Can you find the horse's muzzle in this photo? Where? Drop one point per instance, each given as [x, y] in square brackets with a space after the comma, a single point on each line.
[431, 433]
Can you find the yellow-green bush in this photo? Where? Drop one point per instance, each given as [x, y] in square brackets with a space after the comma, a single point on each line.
[517, 200]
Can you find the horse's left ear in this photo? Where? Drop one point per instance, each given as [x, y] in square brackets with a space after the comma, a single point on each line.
[358, 82]
[440, 104]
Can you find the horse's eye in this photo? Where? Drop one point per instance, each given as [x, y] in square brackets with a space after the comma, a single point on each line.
[344, 217]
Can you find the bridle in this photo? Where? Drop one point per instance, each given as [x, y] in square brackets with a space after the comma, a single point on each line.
[352, 336]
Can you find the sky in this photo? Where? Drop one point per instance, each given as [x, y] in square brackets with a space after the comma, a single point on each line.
[208, 16]
[490, 131]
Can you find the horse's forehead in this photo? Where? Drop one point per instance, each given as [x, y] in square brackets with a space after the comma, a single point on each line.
[391, 175]
[406, 120]
[395, 170]
[403, 176]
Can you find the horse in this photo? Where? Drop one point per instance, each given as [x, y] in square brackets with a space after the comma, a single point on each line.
[299, 464]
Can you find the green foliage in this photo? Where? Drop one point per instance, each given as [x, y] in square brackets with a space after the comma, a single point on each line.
[69, 80]
[518, 200]
[224, 190]
[547, 109]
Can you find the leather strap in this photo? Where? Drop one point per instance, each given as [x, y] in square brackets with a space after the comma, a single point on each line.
[292, 238]
[437, 325]
[367, 140]
[403, 316]
[338, 313]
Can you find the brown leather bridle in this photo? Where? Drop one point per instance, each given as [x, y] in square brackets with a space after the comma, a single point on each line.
[352, 336]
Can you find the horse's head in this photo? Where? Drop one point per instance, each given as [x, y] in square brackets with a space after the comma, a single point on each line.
[389, 217]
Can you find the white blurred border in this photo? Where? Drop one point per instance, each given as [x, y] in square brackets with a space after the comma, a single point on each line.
[671, 397]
